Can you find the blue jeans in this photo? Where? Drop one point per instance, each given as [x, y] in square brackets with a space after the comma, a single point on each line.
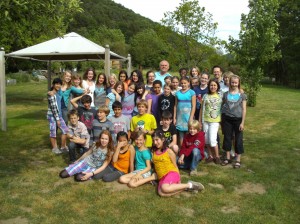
[72, 150]
[191, 162]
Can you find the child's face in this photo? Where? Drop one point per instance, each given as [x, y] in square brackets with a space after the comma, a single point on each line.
[234, 83]
[193, 130]
[119, 89]
[57, 86]
[122, 77]
[112, 81]
[183, 73]
[168, 81]
[195, 82]
[67, 77]
[194, 72]
[122, 139]
[87, 105]
[101, 79]
[118, 112]
[226, 80]
[213, 87]
[77, 82]
[158, 142]
[131, 89]
[151, 77]
[104, 139]
[101, 115]
[175, 83]
[142, 109]
[157, 89]
[135, 77]
[167, 90]
[90, 75]
[185, 84]
[166, 122]
[140, 91]
[140, 141]
[74, 119]
[204, 79]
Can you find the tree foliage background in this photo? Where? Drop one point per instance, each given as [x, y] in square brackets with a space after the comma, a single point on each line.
[185, 37]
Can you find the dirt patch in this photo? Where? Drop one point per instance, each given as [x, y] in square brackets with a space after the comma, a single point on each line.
[269, 125]
[17, 220]
[298, 189]
[218, 186]
[115, 186]
[250, 188]
[296, 149]
[230, 209]
[26, 209]
[187, 211]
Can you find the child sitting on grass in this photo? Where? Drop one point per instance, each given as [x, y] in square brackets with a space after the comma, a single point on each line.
[142, 172]
[122, 161]
[77, 134]
[192, 149]
[167, 171]
[94, 161]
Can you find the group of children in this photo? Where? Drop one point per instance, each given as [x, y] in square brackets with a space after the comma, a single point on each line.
[132, 136]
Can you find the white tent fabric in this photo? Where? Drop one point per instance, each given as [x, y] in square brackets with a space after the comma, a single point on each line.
[70, 47]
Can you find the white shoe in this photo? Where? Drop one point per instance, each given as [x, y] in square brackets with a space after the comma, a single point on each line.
[196, 186]
[56, 151]
[64, 149]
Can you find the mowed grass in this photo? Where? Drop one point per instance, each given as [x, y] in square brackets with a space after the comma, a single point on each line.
[266, 189]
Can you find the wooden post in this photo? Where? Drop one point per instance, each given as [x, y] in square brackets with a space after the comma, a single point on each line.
[107, 61]
[49, 75]
[2, 90]
[129, 65]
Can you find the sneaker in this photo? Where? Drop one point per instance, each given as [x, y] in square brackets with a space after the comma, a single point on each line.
[193, 173]
[196, 186]
[64, 149]
[56, 151]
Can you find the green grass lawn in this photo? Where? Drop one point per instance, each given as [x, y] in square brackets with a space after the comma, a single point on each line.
[266, 189]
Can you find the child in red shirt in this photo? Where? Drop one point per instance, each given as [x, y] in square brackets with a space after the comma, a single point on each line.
[192, 149]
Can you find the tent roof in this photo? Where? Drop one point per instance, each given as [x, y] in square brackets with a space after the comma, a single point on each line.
[70, 47]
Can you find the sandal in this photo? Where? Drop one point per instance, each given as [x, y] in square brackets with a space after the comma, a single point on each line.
[237, 164]
[226, 162]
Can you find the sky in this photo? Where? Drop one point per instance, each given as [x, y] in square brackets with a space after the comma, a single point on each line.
[227, 13]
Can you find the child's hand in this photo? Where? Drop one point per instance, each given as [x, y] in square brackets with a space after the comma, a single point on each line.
[50, 93]
[136, 177]
[181, 159]
[241, 127]
[122, 144]
[86, 176]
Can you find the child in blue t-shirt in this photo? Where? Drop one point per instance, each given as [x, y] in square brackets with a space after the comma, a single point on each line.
[142, 172]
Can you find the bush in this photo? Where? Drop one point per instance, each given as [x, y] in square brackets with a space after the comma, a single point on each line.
[20, 77]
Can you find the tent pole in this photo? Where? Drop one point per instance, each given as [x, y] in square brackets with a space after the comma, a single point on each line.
[107, 61]
[49, 74]
[129, 65]
[2, 89]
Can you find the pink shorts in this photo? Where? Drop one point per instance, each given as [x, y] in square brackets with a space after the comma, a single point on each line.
[170, 178]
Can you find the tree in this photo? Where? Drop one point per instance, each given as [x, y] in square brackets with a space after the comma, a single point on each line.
[256, 45]
[286, 68]
[194, 26]
[147, 49]
[27, 22]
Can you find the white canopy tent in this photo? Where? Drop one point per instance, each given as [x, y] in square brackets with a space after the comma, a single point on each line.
[70, 47]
